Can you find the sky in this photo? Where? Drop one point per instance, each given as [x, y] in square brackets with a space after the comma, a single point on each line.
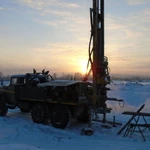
[54, 34]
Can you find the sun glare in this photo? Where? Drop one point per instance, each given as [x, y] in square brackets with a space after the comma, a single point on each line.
[83, 66]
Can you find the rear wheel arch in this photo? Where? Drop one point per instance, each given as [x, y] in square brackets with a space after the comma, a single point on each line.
[25, 106]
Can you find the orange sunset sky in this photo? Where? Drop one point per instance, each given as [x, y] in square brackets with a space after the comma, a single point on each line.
[54, 34]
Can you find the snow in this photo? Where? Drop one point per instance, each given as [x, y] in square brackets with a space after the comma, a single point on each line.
[19, 132]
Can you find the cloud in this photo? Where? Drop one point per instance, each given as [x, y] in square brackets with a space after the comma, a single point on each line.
[58, 13]
[137, 2]
[1, 8]
[43, 4]
[66, 49]
[52, 22]
[35, 4]
[131, 29]
[127, 42]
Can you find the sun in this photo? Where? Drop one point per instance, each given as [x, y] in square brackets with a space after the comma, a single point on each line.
[83, 66]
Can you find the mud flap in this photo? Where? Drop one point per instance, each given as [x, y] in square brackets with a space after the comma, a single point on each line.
[3, 107]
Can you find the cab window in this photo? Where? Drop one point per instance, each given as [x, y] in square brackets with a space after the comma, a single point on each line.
[19, 81]
[13, 81]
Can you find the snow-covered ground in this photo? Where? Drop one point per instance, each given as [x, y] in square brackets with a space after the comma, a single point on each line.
[18, 132]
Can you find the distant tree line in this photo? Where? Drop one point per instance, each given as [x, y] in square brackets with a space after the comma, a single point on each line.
[64, 76]
[76, 76]
[3, 77]
[79, 76]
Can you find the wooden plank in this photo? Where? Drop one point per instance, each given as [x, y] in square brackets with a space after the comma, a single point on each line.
[120, 131]
[136, 113]
[140, 125]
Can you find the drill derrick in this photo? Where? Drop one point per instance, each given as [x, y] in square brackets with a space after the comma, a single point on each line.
[99, 63]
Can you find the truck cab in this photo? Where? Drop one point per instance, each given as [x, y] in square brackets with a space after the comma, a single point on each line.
[9, 90]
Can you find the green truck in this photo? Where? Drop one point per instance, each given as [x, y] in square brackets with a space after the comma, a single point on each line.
[48, 100]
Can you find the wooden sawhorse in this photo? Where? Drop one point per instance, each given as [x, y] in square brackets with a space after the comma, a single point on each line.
[133, 124]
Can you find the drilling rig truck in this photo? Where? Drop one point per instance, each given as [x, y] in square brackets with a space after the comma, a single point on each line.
[58, 101]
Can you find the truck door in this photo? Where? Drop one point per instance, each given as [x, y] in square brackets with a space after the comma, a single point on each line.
[13, 89]
[10, 92]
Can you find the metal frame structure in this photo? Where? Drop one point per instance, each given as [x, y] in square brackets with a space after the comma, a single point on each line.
[97, 60]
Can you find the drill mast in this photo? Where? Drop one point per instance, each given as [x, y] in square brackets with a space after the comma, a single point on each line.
[99, 63]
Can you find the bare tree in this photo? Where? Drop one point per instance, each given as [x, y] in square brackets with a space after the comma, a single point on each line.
[55, 76]
[1, 79]
[78, 76]
[1, 74]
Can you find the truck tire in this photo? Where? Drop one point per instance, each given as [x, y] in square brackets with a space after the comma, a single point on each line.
[3, 107]
[60, 117]
[39, 113]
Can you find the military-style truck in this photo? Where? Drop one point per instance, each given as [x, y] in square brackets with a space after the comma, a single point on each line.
[48, 100]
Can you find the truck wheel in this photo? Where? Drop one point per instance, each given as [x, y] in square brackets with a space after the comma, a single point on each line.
[60, 117]
[38, 113]
[3, 107]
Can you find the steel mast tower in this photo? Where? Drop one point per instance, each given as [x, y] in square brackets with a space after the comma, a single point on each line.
[99, 63]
